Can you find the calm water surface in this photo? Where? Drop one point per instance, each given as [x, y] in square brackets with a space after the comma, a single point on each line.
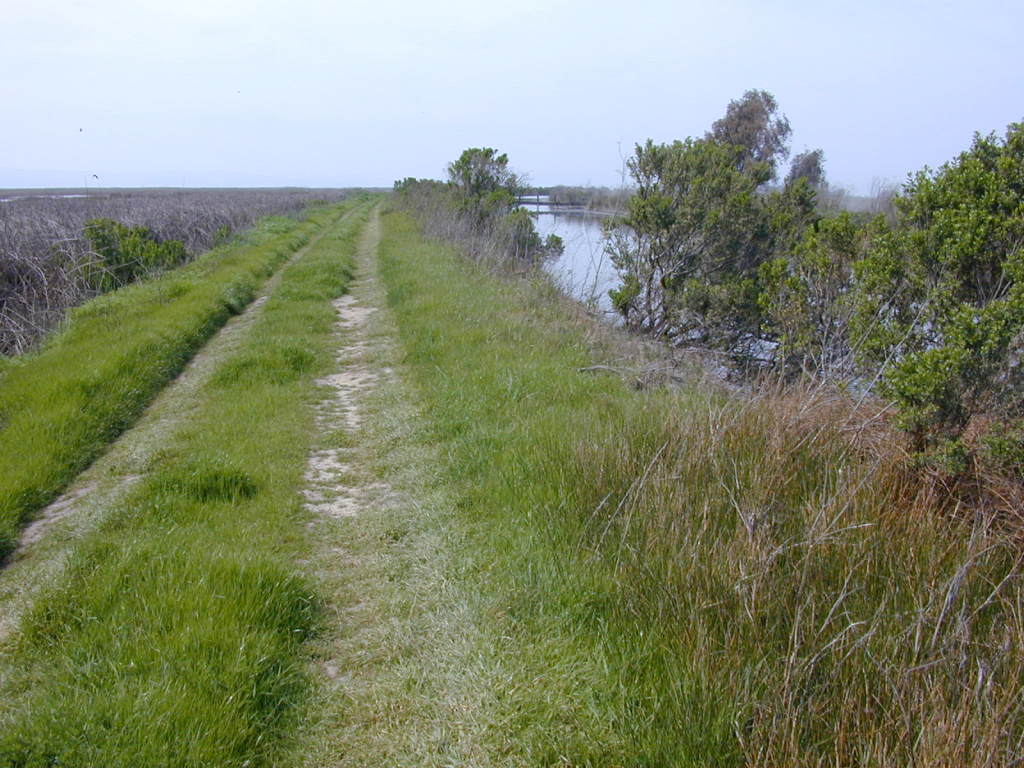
[584, 271]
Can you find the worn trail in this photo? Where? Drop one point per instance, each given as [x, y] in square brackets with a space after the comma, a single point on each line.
[395, 664]
[47, 542]
[399, 674]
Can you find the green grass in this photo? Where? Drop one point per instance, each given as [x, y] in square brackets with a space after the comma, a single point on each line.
[60, 407]
[644, 578]
[177, 636]
[694, 577]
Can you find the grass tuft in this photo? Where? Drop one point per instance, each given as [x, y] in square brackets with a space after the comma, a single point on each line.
[207, 484]
[274, 363]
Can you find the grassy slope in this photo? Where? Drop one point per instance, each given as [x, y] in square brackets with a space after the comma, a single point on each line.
[691, 579]
[60, 407]
[177, 638]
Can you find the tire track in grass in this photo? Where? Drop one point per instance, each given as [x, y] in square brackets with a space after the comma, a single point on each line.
[178, 634]
[399, 676]
[46, 542]
[62, 406]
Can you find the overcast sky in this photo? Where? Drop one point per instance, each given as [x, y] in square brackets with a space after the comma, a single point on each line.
[336, 93]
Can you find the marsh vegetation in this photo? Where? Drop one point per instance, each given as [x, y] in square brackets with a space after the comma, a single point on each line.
[50, 263]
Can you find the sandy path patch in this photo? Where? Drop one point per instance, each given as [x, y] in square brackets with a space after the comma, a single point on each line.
[334, 487]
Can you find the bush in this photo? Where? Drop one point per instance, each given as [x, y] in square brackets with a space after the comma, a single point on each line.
[127, 253]
[700, 225]
[805, 297]
[478, 209]
[940, 298]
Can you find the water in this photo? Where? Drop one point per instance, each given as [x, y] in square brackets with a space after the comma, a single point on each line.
[584, 270]
[39, 197]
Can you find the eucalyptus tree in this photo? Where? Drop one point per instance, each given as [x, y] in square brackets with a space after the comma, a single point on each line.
[754, 123]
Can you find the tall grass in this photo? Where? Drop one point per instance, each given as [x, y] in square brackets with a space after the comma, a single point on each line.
[61, 406]
[178, 637]
[503, 236]
[696, 577]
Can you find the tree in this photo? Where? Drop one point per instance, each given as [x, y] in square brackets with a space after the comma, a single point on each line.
[478, 208]
[700, 225]
[805, 296]
[695, 219]
[755, 124]
[940, 298]
[480, 172]
[808, 165]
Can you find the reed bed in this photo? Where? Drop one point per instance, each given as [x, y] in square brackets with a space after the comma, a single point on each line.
[45, 259]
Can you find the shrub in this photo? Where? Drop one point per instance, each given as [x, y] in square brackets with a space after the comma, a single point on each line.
[940, 298]
[127, 253]
[805, 297]
[478, 209]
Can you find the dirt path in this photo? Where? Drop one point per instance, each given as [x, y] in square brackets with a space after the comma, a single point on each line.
[47, 542]
[396, 666]
[399, 671]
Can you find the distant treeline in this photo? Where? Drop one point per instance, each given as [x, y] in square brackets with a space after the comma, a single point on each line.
[828, 198]
[602, 199]
[57, 250]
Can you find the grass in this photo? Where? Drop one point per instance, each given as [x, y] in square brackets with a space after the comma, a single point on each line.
[395, 666]
[61, 406]
[693, 577]
[605, 575]
[177, 636]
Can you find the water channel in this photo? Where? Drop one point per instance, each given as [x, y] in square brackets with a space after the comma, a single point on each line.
[584, 270]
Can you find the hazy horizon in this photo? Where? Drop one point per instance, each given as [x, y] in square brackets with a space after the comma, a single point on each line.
[257, 94]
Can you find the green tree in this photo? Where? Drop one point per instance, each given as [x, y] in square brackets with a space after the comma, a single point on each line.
[478, 207]
[695, 216]
[481, 172]
[940, 298]
[805, 297]
[809, 165]
[754, 123]
[696, 231]
[701, 223]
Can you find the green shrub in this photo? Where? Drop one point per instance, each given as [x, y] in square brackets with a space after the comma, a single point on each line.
[940, 298]
[1003, 447]
[805, 297]
[127, 253]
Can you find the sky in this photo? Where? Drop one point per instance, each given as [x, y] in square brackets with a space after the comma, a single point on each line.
[335, 93]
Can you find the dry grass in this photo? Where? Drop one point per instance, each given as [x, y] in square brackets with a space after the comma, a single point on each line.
[44, 256]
